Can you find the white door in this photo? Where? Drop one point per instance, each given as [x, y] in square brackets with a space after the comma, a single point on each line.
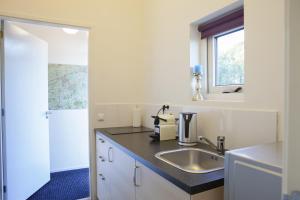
[292, 137]
[25, 84]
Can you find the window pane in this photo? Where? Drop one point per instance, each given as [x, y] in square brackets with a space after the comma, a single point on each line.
[230, 59]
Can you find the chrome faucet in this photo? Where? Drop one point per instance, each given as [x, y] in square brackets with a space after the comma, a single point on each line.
[220, 147]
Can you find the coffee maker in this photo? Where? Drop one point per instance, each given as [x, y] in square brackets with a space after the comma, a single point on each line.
[164, 125]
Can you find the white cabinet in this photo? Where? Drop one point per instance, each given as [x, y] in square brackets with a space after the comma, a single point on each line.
[102, 169]
[254, 173]
[120, 177]
[151, 186]
[115, 171]
[120, 174]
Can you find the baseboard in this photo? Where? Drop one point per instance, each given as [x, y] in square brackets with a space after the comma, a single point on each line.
[68, 169]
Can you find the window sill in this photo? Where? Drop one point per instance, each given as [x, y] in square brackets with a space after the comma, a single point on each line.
[232, 97]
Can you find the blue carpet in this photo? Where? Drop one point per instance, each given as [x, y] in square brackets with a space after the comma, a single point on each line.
[66, 185]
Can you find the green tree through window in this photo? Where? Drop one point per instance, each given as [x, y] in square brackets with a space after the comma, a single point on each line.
[229, 68]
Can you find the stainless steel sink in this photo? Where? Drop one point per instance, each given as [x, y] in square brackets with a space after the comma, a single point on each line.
[192, 160]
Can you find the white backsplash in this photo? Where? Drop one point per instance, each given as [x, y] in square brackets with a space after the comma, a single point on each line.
[241, 127]
[115, 115]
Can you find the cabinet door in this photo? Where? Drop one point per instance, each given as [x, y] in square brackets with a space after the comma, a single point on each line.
[120, 174]
[150, 186]
[102, 146]
[102, 150]
[103, 192]
[253, 182]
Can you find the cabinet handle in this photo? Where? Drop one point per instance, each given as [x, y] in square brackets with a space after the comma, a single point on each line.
[135, 178]
[101, 140]
[101, 158]
[102, 177]
[110, 154]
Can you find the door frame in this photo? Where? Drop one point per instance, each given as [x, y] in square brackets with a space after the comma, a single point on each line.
[290, 191]
[1, 120]
[54, 23]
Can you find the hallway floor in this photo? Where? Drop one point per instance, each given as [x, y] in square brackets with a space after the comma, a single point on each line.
[66, 185]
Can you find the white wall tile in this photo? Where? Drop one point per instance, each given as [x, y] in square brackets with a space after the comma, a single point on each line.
[240, 127]
[115, 115]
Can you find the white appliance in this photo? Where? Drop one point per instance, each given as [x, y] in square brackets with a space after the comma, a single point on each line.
[254, 173]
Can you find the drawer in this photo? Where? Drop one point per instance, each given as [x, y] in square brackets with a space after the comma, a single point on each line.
[102, 193]
[101, 146]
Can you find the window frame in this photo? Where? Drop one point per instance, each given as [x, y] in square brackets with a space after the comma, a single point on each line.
[211, 48]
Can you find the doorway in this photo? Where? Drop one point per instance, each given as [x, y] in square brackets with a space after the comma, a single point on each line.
[45, 64]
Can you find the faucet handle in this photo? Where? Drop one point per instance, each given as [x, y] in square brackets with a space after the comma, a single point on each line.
[221, 138]
[221, 144]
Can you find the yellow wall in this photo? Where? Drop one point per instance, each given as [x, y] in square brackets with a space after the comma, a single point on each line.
[167, 52]
[143, 45]
[115, 48]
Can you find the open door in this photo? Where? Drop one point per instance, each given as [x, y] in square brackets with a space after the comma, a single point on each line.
[25, 120]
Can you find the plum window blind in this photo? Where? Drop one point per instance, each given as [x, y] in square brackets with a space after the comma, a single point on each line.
[224, 23]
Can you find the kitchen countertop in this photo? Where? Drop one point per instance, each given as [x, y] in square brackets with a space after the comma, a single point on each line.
[140, 147]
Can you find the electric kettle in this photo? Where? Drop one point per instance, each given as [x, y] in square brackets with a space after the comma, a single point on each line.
[187, 129]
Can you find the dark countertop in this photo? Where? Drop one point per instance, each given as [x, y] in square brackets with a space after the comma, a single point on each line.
[140, 147]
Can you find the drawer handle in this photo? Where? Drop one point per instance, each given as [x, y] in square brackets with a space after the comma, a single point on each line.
[110, 154]
[101, 140]
[101, 158]
[102, 177]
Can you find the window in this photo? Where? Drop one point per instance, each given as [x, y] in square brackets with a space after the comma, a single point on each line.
[229, 59]
[224, 39]
[226, 62]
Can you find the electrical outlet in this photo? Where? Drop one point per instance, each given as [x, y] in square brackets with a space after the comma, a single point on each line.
[100, 117]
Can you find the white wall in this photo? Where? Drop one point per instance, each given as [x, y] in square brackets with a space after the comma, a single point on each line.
[68, 129]
[167, 58]
[68, 140]
[63, 48]
[68, 49]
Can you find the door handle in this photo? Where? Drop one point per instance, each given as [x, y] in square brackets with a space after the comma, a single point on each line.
[110, 154]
